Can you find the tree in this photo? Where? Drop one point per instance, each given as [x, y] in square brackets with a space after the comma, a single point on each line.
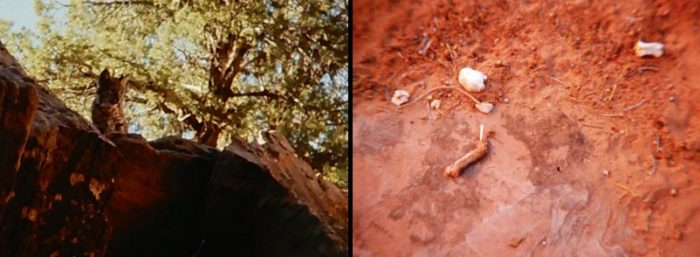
[211, 70]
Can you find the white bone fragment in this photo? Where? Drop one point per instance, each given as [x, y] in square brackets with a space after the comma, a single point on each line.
[472, 80]
[642, 49]
[400, 97]
[484, 107]
[435, 104]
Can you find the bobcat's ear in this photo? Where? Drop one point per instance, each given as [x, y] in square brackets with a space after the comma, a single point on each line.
[124, 79]
[104, 77]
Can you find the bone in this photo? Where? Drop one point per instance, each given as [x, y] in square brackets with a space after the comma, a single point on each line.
[400, 97]
[482, 146]
[655, 49]
[472, 80]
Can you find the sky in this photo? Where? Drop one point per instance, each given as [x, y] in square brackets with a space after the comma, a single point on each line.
[19, 12]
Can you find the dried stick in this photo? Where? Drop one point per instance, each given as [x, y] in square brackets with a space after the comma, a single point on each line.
[623, 187]
[472, 156]
[440, 88]
[635, 105]
[610, 97]
[612, 115]
[641, 70]
[481, 132]
[426, 47]
[645, 68]
[559, 80]
[430, 114]
[592, 125]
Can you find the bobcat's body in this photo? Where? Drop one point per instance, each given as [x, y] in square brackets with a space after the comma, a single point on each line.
[107, 113]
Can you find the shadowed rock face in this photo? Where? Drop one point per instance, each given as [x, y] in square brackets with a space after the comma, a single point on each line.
[66, 189]
[157, 198]
[269, 199]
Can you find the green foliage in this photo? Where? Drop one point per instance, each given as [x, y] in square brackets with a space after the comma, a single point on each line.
[286, 66]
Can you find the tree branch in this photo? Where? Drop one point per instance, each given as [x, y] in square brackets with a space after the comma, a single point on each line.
[226, 58]
[120, 2]
[265, 93]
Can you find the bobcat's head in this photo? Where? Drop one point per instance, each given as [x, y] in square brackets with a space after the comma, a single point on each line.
[110, 91]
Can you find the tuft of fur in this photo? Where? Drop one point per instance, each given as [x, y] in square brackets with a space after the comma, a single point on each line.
[107, 113]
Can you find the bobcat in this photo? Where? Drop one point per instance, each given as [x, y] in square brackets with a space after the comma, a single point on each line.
[107, 114]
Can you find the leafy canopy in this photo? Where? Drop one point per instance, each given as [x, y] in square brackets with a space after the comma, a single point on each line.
[204, 69]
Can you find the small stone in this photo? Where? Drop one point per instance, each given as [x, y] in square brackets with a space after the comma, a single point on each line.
[672, 98]
[674, 192]
[606, 172]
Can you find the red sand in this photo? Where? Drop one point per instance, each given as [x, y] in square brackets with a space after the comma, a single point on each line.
[552, 68]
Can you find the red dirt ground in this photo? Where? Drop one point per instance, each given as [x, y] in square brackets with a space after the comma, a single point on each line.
[556, 71]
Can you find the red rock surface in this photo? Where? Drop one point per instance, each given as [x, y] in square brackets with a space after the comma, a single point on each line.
[556, 70]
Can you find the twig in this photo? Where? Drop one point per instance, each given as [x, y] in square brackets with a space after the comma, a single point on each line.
[430, 114]
[653, 164]
[571, 98]
[641, 70]
[452, 60]
[612, 115]
[426, 47]
[559, 80]
[592, 125]
[658, 143]
[588, 94]
[645, 68]
[440, 88]
[387, 87]
[386, 93]
[481, 132]
[618, 184]
[610, 97]
[437, 28]
[635, 105]
[452, 54]
[398, 80]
